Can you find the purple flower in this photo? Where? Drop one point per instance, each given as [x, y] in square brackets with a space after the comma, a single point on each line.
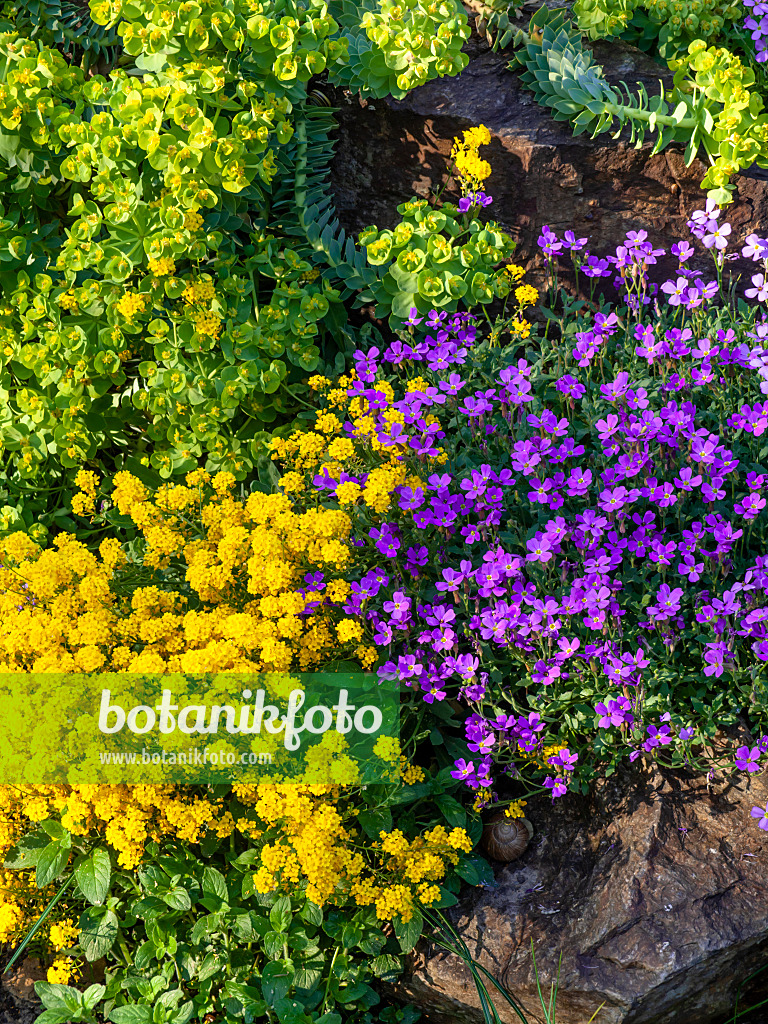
[756, 248]
[691, 568]
[676, 290]
[657, 737]
[559, 787]
[760, 291]
[717, 238]
[683, 251]
[539, 549]
[464, 769]
[564, 759]
[548, 242]
[474, 199]
[667, 603]
[762, 813]
[747, 760]
[433, 691]
[615, 711]
[570, 241]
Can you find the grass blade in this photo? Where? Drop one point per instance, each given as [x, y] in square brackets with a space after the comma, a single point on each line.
[36, 926]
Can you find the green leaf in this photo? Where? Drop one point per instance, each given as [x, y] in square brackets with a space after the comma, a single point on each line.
[214, 884]
[276, 980]
[134, 1014]
[386, 966]
[144, 955]
[52, 861]
[177, 898]
[57, 997]
[452, 810]
[375, 821]
[280, 914]
[98, 931]
[53, 828]
[408, 932]
[93, 875]
[25, 853]
[54, 1017]
[311, 914]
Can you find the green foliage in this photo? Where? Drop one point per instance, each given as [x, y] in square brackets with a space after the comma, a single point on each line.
[169, 249]
[663, 27]
[494, 21]
[303, 203]
[187, 934]
[396, 46]
[67, 25]
[435, 259]
[710, 106]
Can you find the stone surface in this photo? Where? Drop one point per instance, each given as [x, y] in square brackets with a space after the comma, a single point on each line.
[18, 1002]
[655, 890]
[389, 150]
[20, 980]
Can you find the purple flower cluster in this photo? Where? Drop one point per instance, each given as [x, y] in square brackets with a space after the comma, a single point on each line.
[757, 25]
[552, 554]
[632, 259]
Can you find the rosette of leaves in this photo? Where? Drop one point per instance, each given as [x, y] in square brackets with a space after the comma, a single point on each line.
[434, 259]
[709, 106]
[393, 47]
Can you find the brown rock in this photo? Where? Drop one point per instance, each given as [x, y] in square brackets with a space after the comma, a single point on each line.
[20, 980]
[655, 891]
[389, 151]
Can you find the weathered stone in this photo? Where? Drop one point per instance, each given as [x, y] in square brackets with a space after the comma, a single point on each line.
[390, 150]
[654, 889]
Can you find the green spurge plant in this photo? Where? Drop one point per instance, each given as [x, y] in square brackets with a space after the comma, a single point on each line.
[163, 228]
[435, 258]
[67, 25]
[711, 105]
[664, 26]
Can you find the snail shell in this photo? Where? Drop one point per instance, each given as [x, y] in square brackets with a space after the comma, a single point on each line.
[505, 839]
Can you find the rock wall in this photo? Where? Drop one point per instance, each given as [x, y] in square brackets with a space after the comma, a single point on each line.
[655, 891]
[388, 151]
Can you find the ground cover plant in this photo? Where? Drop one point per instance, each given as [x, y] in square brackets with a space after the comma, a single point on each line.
[562, 644]
[206, 467]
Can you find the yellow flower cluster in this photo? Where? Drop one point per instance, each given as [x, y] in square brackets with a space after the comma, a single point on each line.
[514, 271]
[387, 748]
[68, 301]
[163, 266]
[131, 303]
[313, 843]
[200, 291]
[410, 773]
[63, 934]
[192, 220]
[526, 295]
[515, 809]
[85, 501]
[520, 326]
[62, 971]
[415, 865]
[207, 323]
[306, 452]
[21, 902]
[471, 170]
[244, 559]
